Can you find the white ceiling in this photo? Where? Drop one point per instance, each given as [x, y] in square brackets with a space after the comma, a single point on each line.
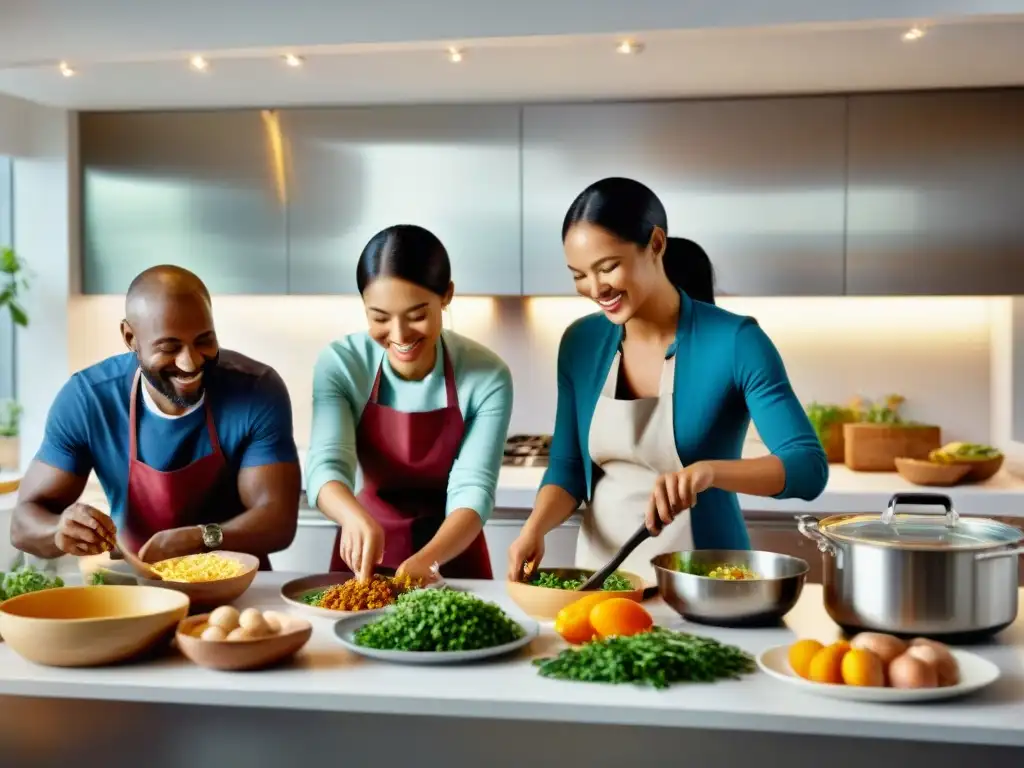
[691, 62]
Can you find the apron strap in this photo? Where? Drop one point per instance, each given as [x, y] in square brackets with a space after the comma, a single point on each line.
[133, 427]
[450, 390]
[668, 377]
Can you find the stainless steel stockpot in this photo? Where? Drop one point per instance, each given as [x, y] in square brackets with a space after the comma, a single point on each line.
[939, 576]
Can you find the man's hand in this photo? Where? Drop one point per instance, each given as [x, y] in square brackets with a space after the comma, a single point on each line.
[175, 542]
[84, 530]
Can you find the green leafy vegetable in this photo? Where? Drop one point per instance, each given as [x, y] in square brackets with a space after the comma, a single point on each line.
[657, 658]
[440, 620]
[614, 583]
[313, 598]
[25, 580]
[97, 579]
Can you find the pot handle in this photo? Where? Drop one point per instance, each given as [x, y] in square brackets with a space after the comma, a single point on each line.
[1000, 554]
[808, 527]
[922, 499]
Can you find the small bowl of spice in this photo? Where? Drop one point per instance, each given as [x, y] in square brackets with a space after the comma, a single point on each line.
[335, 595]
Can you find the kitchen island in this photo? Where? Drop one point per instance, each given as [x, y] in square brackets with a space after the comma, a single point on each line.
[331, 707]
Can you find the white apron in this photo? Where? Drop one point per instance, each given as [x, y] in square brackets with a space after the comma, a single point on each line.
[633, 442]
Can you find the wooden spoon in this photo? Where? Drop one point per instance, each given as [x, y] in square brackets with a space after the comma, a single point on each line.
[141, 567]
[597, 580]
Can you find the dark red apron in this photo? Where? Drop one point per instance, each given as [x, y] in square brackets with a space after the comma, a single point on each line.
[406, 459]
[199, 493]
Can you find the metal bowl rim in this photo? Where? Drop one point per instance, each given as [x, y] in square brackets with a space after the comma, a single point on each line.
[660, 568]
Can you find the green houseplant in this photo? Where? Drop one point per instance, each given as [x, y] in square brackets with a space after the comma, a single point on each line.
[13, 283]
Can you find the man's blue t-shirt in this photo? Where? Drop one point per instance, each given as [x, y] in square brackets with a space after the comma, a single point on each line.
[87, 427]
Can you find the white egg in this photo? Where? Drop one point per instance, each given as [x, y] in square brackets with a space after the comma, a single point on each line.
[225, 617]
[274, 620]
[213, 633]
[238, 634]
[252, 621]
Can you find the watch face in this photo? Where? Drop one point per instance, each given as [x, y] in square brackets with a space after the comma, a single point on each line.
[212, 536]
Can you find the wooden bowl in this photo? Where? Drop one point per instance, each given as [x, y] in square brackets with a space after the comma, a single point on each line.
[924, 472]
[982, 469]
[544, 603]
[210, 594]
[90, 626]
[244, 654]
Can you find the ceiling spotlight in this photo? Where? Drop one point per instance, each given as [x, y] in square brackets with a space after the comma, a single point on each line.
[199, 64]
[629, 47]
[66, 70]
[914, 33]
[292, 60]
[454, 55]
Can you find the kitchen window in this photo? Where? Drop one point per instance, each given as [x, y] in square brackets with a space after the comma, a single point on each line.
[6, 239]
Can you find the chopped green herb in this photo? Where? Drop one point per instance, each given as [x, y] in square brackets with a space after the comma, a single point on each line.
[313, 598]
[25, 580]
[97, 579]
[440, 620]
[614, 583]
[657, 658]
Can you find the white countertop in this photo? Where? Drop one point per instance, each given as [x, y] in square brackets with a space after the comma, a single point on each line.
[847, 492]
[326, 677]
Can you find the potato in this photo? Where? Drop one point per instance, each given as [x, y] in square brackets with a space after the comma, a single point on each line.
[938, 655]
[908, 671]
[225, 617]
[885, 647]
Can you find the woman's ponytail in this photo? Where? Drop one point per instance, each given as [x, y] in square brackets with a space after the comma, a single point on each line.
[689, 269]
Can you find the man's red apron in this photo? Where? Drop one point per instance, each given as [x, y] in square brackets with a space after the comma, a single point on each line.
[406, 459]
[200, 493]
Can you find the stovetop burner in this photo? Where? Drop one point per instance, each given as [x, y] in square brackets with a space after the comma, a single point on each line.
[527, 451]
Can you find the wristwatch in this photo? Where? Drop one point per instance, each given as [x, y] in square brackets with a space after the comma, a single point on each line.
[213, 536]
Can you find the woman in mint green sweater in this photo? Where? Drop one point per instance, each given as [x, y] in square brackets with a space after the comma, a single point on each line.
[655, 395]
[423, 412]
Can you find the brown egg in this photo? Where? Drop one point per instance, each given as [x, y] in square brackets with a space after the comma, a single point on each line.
[885, 647]
[938, 655]
[907, 671]
[225, 617]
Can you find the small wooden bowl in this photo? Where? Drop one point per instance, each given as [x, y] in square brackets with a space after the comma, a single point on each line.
[982, 470]
[924, 472]
[90, 626]
[210, 594]
[544, 603]
[233, 656]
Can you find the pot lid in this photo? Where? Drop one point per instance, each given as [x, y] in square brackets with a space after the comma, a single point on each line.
[923, 531]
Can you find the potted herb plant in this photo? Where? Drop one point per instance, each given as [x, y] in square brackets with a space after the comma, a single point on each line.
[879, 435]
[13, 283]
[10, 415]
[827, 420]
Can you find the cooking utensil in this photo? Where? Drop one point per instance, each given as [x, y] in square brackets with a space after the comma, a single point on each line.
[90, 626]
[138, 565]
[597, 580]
[746, 602]
[544, 603]
[233, 655]
[944, 577]
[210, 594]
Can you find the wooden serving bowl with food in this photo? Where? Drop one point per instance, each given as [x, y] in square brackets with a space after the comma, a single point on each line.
[925, 472]
[230, 640]
[90, 626]
[209, 579]
[548, 590]
[982, 461]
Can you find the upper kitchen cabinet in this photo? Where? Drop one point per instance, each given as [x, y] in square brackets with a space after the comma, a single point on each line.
[936, 193]
[453, 170]
[759, 183]
[203, 190]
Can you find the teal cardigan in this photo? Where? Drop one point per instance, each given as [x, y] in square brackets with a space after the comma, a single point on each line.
[727, 371]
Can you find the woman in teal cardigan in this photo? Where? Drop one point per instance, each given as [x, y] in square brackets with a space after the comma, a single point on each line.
[655, 394]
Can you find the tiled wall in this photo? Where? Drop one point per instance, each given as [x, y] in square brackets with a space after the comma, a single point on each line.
[936, 352]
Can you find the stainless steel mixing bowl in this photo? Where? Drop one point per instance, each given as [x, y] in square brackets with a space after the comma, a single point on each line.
[748, 602]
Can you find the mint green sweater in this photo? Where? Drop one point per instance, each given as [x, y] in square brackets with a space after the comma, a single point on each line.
[342, 381]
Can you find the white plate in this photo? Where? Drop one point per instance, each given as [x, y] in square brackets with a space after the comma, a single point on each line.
[293, 592]
[345, 631]
[975, 673]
